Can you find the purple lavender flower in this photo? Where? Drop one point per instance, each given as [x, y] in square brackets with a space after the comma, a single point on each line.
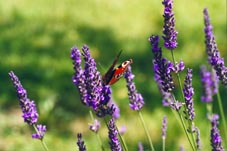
[188, 94]
[215, 134]
[79, 78]
[164, 127]
[113, 139]
[136, 99]
[209, 84]
[179, 67]
[95, 126]
[162, 67]
[167, 98]
[122, 129]
[176, 105]
[28, 107]
[212, 51]
[80, 142]
[198, 142]
[140, 146]
[170, 34]
[41, 132]
[92, 79]
[89, 83]
[181, 148]
[116, 113]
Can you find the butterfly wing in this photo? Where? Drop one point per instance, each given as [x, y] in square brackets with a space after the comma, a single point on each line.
[119, 72]
[109, 74]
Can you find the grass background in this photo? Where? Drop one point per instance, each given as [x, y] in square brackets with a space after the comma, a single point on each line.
[35, 42]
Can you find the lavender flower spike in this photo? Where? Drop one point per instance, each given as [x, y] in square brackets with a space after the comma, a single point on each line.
[80, 142]
[212, 51]
[188, 93]
[114, 142]
[41, 132]
[95, 126]
[170, 34]
[215, 134]
[28, 107]
[162, 67]
[79, 78]
[136, 99]
[198, 142]
[140, 147]
[89, 83]
[209, 83]
[164, 127]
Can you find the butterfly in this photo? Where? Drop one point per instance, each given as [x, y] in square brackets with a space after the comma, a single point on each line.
[114, 74]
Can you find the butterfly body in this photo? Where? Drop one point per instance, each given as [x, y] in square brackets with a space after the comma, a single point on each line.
[114, 74]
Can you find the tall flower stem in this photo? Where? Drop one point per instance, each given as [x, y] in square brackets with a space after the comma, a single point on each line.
[178, 76]
[163, 144]
[121, 138]
[222, 114]
[42, 141]
[97, 135]
[185, 130]
[184, 126]
[146, 130]
[182, 97]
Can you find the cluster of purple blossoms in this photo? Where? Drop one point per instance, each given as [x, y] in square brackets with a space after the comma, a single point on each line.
[212, 51]
[95, 126]
[188, 94]
[80, 143]
[28, 107]
[209, 84]
[116, 112]
[170, 34]
[140, 147]
[114, 142]
[215, 134]
[136, 99]
[41, 132]
[93, 92]
[162, 67]
[162, 73]
[164, 127]
[198, 142]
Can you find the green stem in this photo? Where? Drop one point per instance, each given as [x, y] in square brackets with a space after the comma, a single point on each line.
[222, 114]
[121, 138]
[183, 124]
[178, 76]
[185, 130]
[97, 135]
[146, 130]
[42, 141]
[185, 109]
[163, 144]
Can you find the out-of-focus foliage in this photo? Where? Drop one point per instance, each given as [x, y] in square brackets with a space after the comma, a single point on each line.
[35, 42]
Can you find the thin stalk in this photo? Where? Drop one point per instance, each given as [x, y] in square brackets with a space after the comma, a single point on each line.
[163, 144]
[182, 97]
[185, 130]
[121, 138]
[42, 141]
[222, 114]
[146, 130]
[178, 76]
[184, 126]
[97, 135]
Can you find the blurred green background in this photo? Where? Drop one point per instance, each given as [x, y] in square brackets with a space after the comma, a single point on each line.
[35, 42]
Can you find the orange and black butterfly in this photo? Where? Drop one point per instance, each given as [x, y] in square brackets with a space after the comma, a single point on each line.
[114, 74]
